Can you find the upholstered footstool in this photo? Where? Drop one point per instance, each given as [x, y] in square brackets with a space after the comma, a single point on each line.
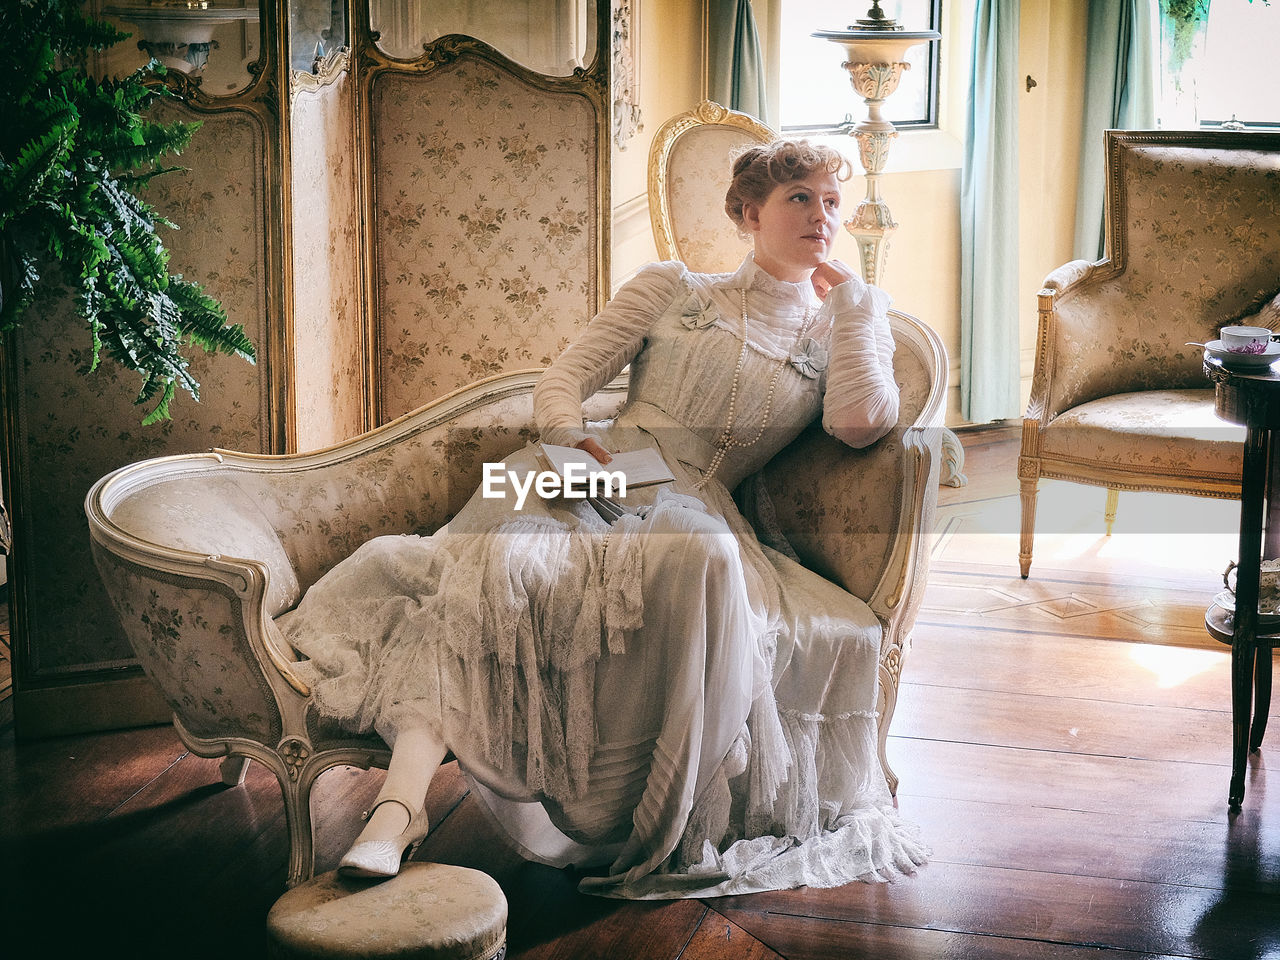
[430, 910]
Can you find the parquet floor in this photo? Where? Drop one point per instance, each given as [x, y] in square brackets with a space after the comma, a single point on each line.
[1062, 741]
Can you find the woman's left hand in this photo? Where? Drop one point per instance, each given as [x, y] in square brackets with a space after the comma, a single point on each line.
[828, 275]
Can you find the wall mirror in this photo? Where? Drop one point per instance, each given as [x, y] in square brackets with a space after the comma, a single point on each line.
[551, 37]
[316, 29]
[212, 44]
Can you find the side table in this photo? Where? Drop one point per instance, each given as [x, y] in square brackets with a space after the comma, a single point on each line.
[1252, 398]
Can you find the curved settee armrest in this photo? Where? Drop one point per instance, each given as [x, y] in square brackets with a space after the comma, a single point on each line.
[860, 517]
[197, 622]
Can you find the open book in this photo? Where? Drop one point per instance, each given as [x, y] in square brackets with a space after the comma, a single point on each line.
[639, 468]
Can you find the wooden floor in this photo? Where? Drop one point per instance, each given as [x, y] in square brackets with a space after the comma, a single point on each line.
[1062, 741]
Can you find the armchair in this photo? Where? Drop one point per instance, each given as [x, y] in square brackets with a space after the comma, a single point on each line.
[1118, 399]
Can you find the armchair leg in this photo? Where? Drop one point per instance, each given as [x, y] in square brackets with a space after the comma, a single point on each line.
[1113, 501]
[295, 789]
[1029, 490]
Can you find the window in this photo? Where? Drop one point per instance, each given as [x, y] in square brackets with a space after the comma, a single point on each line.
[815, 93]
[1217, 63]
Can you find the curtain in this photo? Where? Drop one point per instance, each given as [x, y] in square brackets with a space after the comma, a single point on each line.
[735, 73]
[989, 350]
[1119, 93]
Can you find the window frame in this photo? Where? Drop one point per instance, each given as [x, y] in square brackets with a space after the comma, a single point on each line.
[932, 90]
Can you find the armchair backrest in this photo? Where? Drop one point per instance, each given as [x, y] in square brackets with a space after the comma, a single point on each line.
[688, 176]
[1193, 241]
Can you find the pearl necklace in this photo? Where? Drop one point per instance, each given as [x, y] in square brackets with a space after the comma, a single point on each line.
[727, 440]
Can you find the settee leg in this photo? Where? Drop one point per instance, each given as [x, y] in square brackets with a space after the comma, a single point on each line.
[1109, 514]
[888, 701]
[297, 818]
[233, 769]
[1029, 490]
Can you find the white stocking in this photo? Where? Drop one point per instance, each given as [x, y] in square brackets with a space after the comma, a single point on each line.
[415, 757]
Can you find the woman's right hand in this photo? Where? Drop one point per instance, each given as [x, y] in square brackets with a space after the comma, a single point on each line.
[592, 446]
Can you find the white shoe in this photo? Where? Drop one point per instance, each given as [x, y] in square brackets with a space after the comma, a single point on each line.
[379, 859]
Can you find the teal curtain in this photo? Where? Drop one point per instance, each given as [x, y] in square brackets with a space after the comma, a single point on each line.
[735, 75]
[1119, 93]
[989, 350]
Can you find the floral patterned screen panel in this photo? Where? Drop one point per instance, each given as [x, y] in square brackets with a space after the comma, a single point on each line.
[73, 427]
[551, 37]
[328, 364]
[486, 204]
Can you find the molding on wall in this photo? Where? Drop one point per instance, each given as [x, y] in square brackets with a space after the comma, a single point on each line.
[631, 219]
[129, 701]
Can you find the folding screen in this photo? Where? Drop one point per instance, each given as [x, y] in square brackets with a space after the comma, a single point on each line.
[386, 228]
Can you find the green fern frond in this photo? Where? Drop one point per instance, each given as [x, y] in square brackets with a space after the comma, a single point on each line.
[205, 322]
[73, 150]
[143, 145]
[22, 179]
[161, 410]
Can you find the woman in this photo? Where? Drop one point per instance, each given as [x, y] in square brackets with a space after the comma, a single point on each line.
[658, 694]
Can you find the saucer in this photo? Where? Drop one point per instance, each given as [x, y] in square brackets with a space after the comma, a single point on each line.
[1268, 610]
[1224, 356]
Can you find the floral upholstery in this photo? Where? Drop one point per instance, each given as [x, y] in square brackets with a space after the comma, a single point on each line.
[689, 165]
[849, 538]
[698, 216]
[188, 635]
[1194, 244]
[1150, 431]
[485, 233]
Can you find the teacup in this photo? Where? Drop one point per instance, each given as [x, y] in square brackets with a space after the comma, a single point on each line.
[1245, 339]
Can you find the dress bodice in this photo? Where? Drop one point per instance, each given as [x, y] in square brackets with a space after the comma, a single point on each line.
[682, 382]
[682, 334]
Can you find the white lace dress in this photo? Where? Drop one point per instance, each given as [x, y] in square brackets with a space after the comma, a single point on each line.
[660, 700]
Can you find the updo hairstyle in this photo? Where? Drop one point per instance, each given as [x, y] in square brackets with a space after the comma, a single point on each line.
[760, 169]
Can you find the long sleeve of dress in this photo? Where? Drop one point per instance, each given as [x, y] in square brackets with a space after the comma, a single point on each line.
[861, 401]
[610, 341]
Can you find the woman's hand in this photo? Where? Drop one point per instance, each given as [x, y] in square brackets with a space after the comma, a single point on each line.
[828, 275]
[592, 446]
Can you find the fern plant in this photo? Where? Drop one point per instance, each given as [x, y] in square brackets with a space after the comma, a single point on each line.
[73, 149]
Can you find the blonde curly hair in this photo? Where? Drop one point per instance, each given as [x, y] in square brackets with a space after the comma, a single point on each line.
[760, 169]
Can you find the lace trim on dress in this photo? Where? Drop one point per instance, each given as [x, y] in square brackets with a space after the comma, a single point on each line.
[514, 610]
[803, 841]
[823, 718]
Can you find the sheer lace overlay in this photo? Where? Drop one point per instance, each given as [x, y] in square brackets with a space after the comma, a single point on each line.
[662, 696]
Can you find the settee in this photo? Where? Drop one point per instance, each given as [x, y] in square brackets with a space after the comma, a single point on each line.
[200, 553]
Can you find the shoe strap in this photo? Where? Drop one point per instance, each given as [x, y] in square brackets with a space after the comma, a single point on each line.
[380, 800]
